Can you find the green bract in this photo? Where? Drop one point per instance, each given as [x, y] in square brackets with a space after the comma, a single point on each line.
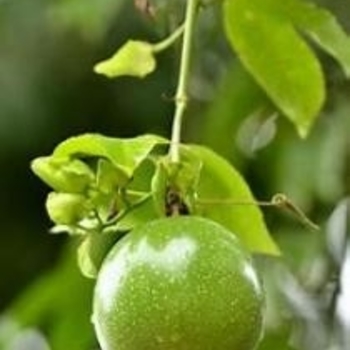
[67, 208]
[63, 174]
[180, 283]
[104, 187]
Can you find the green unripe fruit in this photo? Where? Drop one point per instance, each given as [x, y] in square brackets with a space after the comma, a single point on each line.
[182, 283]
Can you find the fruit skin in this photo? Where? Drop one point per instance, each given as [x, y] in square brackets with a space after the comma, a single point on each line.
[182, 283]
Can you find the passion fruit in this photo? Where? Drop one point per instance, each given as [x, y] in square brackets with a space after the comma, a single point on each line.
[179, 283]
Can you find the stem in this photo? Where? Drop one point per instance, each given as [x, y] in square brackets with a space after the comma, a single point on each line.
[164, 44]
[181, 92]
[229, 201]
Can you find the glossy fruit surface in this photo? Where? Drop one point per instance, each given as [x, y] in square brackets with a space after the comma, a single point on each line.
[182, 283]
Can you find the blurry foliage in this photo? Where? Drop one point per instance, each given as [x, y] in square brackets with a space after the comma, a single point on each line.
[91, 19]
[48, 92]
[57, 304]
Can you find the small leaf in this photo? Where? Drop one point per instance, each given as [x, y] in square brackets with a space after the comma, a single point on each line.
[94, 249]
[125, 154]
[159, 186]
[139, 207]
[220, 183]
[136, 206]
[135, 58]
[63, 174]
[106, 195]
[256, 132]
[184, 177]
[180, 179]
[322, 27]
[108, 177]
[67, 208]
[138, 214]
[337, 229]
[279, 59]
[265, 134]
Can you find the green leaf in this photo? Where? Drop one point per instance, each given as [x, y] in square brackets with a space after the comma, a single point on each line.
[180, 179]
[184, 178]
[135, 58]
[125, 154]
[322, 27]
[94, 249]
[278, 58]
[108, 177]
[106, 196]
[133, 205]
[63, 174]
[159, 184]
[256, 132]
[138, 214]
[219, 186]
[139, 206]
[121, 167]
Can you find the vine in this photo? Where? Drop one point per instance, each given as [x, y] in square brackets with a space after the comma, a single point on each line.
[181, 97]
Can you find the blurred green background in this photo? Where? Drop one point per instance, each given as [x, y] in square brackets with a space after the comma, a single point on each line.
[48, 92]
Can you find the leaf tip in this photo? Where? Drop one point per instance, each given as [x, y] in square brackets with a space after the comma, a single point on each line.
[347, 71]
[34, 164]
[98, 68]
[303, 131]
[274, 251]
[103, 68]
[39, 166]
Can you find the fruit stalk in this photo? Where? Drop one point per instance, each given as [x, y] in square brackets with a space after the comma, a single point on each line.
[181, 98]
[167, 42]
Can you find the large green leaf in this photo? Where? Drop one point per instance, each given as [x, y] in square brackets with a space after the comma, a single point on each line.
[278, 58]
[224, 196]
[125, 154]
[321, 26]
